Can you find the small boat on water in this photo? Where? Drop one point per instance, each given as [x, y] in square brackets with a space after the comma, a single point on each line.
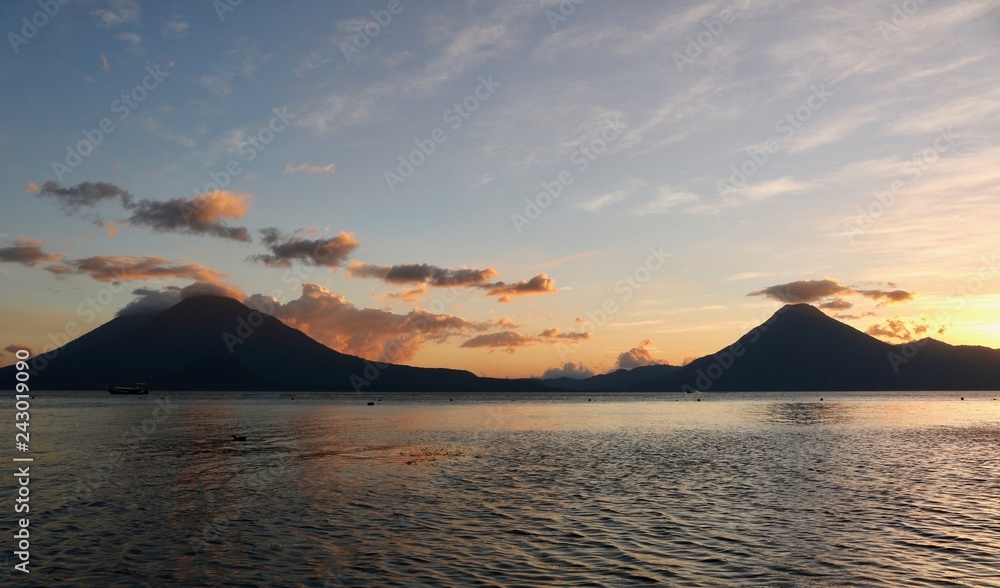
[138, 389]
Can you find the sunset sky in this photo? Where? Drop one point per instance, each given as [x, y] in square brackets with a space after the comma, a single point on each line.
[515, 169]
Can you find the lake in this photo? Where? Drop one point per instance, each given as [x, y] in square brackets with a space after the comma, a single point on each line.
[581, 489]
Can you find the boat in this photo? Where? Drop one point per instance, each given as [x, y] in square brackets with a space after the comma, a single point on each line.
[138, 389]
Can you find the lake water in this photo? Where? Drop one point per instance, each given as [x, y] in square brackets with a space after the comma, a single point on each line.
[511, 490]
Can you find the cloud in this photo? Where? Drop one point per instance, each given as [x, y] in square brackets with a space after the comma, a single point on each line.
[423, 273]
[666, 202]
[636, 357]
[84, 194]
[149, 300]
[409, 295]
[600, 202]
[118, 12]
[802, 291]
[134, 41]
[576, 371]
[744, 276]
[330, 252]
[310, 169]
[809, 291]
[367, 332]
[571, 336]
[903, 330]
[125, 268]
[27, 252]
[836, 304]
[540, 284]
[507, 323]
[508, 341]
[203, 214]
[175, 28]
[14, 348]
[888, 295]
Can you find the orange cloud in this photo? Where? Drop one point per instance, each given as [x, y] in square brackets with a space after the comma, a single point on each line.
[409, 295]
[32, 187]
[125, 268]
[636, 357]
[112, 228]
[367, 332]
[572, 335]
[540, 284]
[903, 330]
[26, 252]
[202, 214]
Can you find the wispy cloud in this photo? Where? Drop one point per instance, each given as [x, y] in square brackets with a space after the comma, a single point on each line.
[117, 12]
[310, 169]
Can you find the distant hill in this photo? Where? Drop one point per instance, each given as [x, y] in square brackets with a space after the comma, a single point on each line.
[199, 344]
[620, 379]
[801, 348]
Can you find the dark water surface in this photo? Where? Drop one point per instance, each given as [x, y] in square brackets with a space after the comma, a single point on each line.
[511, 490]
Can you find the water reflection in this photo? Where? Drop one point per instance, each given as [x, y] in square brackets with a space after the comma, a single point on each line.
[754, 491]
[808, 413]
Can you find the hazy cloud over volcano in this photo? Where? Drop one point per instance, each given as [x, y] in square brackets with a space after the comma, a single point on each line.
[149, 300]
[809, 291]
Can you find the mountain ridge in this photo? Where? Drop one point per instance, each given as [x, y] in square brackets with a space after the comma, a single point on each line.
[217, 343]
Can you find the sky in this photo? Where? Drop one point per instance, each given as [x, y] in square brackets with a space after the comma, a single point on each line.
[515, 188]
